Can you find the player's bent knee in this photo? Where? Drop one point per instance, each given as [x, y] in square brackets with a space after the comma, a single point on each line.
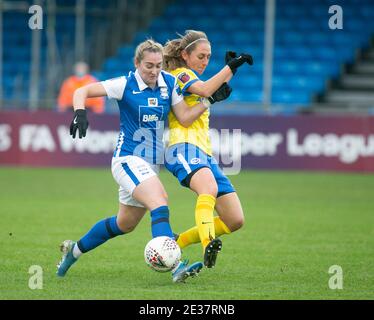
[239, 223]
[126, 227]
[236, 224]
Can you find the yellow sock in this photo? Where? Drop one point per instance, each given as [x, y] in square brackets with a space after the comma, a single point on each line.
[204, 218]
[220, 227]
[188, 237]
[191, 236]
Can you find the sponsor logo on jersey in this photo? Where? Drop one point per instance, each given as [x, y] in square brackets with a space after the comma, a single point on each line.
[152, 102]
[184, 77]
[150, 117]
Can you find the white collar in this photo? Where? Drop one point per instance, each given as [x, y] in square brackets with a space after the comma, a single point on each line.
[141, 84]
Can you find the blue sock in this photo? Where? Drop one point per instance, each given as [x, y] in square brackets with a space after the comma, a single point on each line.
[99, 233]
[160, 222]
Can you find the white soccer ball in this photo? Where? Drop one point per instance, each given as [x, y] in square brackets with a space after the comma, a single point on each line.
[162, 254]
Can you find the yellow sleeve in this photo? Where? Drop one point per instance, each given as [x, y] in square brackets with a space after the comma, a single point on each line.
[185, 78]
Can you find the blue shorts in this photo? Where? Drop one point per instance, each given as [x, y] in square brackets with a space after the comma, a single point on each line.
[183, 160]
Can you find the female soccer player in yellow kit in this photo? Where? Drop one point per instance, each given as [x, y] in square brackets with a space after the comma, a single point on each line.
[189, 155]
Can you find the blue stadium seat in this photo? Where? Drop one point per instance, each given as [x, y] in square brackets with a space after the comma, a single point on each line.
[231, 24]
[246, 82]
[240, 37]
[281, 52]
[194, 10]
[324, 54]
[254, 96]
[246, 11]
[316, 68]
[291, 97]
[281, 82]
[314, 39]
[282, 25]
[307, 83]
[112, 64]
[292, 38]
[100, 75]
[126, 51]
[220, 11]
[207, 24]
[287, 67]
[300, 53]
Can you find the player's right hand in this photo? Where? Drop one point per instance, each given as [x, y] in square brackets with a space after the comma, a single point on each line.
[236, 62]
[79, 123]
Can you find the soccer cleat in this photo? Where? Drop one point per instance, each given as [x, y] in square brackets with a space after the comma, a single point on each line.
[211, 251]
[184, 271]
[68, 259]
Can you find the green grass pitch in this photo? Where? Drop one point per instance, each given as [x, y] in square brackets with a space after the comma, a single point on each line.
[297, 226]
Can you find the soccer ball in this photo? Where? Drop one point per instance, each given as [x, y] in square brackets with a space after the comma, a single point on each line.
[162, 254]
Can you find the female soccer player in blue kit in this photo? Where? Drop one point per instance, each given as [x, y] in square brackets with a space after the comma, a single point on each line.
[145, 98]
[189, 155]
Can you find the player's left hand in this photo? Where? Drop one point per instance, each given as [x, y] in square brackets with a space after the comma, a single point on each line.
[79, 123]
[237, 62]
[222, 93]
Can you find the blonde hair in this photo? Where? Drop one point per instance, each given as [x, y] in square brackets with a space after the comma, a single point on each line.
[173, 48]
[148, 45]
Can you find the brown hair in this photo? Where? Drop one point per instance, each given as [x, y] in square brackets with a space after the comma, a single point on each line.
[173, 48]
[147, 45]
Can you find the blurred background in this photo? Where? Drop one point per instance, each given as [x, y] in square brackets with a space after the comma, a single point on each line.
[312, 68]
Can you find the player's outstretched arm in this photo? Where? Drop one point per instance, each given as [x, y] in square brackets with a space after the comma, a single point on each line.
[80, 122]
[209, 87]
[186, 115]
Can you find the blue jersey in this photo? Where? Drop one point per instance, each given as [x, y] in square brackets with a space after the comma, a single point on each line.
[143, 111]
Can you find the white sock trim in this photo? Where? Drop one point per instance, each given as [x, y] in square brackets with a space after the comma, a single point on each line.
[76, 252]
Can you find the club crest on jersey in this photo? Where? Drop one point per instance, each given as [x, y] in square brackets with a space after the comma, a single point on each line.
[152, 102]
[184, 77]
[164, 93]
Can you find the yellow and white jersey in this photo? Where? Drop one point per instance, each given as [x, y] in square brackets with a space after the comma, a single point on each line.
[198, 133]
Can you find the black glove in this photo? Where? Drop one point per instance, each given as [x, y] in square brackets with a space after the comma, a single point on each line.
[222, 93]
[236, 62]
[79, 122]
[229, 56]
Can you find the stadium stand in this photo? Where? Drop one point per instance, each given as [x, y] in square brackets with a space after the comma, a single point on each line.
[312, 63]
[17, 43]
[355, 87]
[307, 53]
